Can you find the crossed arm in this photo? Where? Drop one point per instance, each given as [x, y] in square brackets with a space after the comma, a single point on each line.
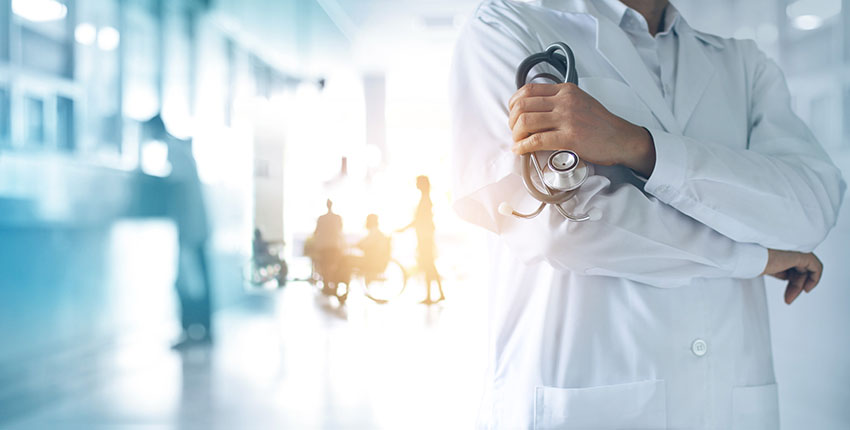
[553, 117]
[676, 239]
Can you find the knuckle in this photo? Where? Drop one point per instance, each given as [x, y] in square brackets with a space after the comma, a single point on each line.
[520, 93]
[536, 140]
[521, 104]
[521, 120]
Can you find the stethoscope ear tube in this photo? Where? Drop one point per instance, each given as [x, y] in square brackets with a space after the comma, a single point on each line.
[563, 63]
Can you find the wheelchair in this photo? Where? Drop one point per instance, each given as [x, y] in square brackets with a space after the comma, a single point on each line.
[334, 271]
[267, 271]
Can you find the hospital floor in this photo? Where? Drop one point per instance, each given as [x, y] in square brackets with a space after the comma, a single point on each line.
[293, 359]
[288, 359]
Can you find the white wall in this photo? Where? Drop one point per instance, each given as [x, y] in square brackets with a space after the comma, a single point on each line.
[268, 176]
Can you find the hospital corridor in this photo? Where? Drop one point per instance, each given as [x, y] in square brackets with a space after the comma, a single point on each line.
[280, 359]
[410, 214]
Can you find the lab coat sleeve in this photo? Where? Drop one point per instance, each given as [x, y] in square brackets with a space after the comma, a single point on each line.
[638, 238]
[782, 191]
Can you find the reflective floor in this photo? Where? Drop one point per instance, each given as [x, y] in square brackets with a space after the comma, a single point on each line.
[289, 359]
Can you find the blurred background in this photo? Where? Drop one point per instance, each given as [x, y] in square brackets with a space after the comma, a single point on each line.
[263, 110]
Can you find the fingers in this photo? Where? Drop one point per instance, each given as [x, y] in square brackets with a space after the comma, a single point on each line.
[536, 142]
[533, 90]
[811, 270]
[791, 294]
[815, 269]
[803, 275]
[795, 286]
[530, 104]
[533, 122]
[802, 271]
[811, 282]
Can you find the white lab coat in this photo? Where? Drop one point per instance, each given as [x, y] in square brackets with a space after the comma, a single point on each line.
[596, 324]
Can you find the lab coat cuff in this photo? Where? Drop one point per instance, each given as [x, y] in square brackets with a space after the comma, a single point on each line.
[668, 176]
[751, 261]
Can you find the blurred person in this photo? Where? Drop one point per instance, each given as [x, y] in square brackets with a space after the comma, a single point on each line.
[326, 248]
[186, 207]
[263, 256]
[655, 315]
[423, 224]
[376, 248]
[260, 246]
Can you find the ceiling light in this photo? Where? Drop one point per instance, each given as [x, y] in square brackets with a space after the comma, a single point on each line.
[823, 9]
[807, 22]
[39, 10]
[108, 38]
[85, 34]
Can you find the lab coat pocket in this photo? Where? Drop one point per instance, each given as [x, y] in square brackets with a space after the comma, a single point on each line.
[755, 408]
[637, 405]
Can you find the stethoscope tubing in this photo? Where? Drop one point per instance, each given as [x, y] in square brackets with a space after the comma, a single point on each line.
[565, 65]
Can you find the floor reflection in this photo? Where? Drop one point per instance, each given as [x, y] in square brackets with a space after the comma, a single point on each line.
[295, 359]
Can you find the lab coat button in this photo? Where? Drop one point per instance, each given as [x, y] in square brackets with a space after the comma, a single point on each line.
[699, 347]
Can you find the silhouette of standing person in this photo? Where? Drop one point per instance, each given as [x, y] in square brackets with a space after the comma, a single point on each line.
[423, 223]
[186, 207]
[327, 246]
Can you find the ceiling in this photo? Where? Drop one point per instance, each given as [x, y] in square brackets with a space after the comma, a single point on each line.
[312, 36]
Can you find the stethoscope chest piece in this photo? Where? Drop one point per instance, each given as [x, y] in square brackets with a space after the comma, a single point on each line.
[565, 172]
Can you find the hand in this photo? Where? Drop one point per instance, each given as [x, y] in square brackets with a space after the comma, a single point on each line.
[802, 271]
[563, 116]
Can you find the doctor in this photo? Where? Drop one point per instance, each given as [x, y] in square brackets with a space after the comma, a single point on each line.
[655, 315]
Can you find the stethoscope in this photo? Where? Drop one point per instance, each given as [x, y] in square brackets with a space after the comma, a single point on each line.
[564, 172]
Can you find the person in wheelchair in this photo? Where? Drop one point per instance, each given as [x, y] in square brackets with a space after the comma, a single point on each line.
[376, 250]
[263, 257]
[262, 253]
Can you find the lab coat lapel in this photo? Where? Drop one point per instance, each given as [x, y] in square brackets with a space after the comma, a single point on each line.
[694, 73]
[618, 50]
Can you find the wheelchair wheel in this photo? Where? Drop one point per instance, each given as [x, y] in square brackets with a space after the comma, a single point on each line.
[387, 285]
